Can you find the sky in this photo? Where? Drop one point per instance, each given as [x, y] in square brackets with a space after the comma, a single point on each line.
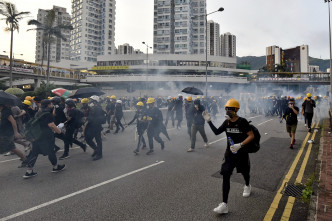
[256, 24]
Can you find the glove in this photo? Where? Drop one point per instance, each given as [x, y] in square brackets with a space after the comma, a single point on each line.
[61, 125]
[236, 147]
[206, 116]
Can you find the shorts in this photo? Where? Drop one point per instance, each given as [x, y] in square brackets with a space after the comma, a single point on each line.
[291, 128]
[6, 144]
[240, 161]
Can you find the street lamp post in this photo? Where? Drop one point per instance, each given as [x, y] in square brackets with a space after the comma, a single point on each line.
[147, 65]
[206, 46]
[12, 60]
[328, 2]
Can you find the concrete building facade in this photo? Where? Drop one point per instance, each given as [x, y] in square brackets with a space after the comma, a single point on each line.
[94, 29]
[213, 38]
[228, 45]
[60, 49]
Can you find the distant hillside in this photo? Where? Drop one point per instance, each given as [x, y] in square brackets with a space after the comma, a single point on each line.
[259, 62]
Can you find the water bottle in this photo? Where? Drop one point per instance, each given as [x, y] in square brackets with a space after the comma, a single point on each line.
[231, 143]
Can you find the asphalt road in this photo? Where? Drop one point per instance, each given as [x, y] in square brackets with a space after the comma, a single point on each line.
[168, 185]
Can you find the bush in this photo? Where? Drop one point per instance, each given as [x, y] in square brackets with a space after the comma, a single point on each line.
[43, 91]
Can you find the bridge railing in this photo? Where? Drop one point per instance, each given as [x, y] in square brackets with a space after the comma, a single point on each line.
[293, 77]
[43, 72]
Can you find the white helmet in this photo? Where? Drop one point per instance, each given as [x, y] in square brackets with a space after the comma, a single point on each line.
[119, 101]
[95, 98]
[180, 95]
[169, 97]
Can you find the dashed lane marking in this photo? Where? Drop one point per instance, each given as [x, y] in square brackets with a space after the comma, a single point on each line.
[78, 192]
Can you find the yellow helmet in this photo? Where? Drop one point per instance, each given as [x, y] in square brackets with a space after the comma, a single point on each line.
[232, 103]
[198, 97]
[325, 97]
[140, 104]
[304, 98]
[113, 97]
[308, 95]
[315, 97]
[203, 97]
[108, 97]
[189, 99]
[85, 100]
[150, 100]
[28, 98]
[27, 102]
[49, 98]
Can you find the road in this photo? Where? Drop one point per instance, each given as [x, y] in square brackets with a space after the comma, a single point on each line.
[168, 185]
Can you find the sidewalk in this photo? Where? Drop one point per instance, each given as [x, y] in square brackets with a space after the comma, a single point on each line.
[324, 191]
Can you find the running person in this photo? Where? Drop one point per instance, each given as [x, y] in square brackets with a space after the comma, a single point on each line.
[291, 120]
[238, 130]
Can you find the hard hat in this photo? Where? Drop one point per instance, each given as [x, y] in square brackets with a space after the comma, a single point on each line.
[108, 97]
[169, 97]
[113, 97]
[203, 97]
[119, 101]
[315, 97]
[214, 101]
[140, 104]
[70, 103]
[325, 97]
[198, 97]
[180, 95]
[95, 98]
[189, 98]
[56, 100]
[85, 101]
[304, 98]
[49, 98]
[28, 98]
[27, 102]
[232, 103]
[150, 100]
[173, 98]
[308, 95]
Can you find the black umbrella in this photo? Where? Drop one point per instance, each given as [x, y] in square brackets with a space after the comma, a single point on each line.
[192, 90]
[86, 92]
[10, 99]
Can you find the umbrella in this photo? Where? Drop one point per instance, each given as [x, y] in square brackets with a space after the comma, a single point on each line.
[10, 99]
[192, 90]
[61, 92]
[15, 91]
[87, 92]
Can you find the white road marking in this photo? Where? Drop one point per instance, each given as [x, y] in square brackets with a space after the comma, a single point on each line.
[78, 192]
[73, 148]
[217, 140]
[264, 122]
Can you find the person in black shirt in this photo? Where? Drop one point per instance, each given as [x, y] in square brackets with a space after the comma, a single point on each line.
[155, 121]
[178, 108]
[44, 144]
[58, 114]
[142, 125]
[290, 115]
[71, 125]
[239, 135]
[94, 127]
[189, 114]
[170, 112]
[308, 110]
[9, 131]
[118, 116]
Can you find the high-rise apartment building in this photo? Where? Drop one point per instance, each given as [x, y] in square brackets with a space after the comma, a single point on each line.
[213, 37]
[94, 29]
[125, 49]
[288, 60]
[60, 49]
[179, 26]
[228, 45]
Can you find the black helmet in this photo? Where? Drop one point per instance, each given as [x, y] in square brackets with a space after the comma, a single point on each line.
[70, 103]
[44, 103]
[56, 100]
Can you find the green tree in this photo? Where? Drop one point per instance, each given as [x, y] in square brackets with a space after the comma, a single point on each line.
[12, 17]
[44, 90]
[50, 29]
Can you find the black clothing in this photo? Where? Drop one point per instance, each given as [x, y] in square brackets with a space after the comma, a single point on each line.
[154, 126]
[308, 106]
[6, 128]
[93, 130]
[197, 115]
[290, 116]
[60, 116]
[45, 143]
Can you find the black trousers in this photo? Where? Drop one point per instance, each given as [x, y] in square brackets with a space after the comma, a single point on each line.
[153, 133]
[94, 133]
[69, 139]
[118, 124]
[309, 117]
[170, 114]
[33, 155]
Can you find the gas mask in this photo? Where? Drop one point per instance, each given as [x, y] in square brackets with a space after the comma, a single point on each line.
[230, 113]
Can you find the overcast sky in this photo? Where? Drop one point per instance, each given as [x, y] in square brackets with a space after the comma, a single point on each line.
[256, 24]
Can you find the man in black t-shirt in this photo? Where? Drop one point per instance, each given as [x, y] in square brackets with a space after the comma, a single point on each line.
[290, 115]
[8, 131]
[239, 135]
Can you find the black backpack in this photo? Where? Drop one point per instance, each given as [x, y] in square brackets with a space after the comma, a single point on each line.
[101, 116]
[254, 145]
[32, 129]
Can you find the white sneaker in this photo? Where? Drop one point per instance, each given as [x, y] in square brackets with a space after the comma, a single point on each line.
[206, 145]
[246, 190]
[221, 209]
[8, 153]
[190, 150]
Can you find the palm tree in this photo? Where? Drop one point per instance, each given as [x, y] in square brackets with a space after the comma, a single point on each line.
[12, 18]
[50, 30]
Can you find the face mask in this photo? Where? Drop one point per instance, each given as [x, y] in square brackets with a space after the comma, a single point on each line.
[92, 105]
[229, 114]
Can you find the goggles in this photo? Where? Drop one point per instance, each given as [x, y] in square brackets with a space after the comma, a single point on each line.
[230, 108]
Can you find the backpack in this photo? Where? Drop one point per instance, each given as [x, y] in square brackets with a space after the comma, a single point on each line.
[79, 119]
[254, 145]
[32, 129]
[102, 116]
